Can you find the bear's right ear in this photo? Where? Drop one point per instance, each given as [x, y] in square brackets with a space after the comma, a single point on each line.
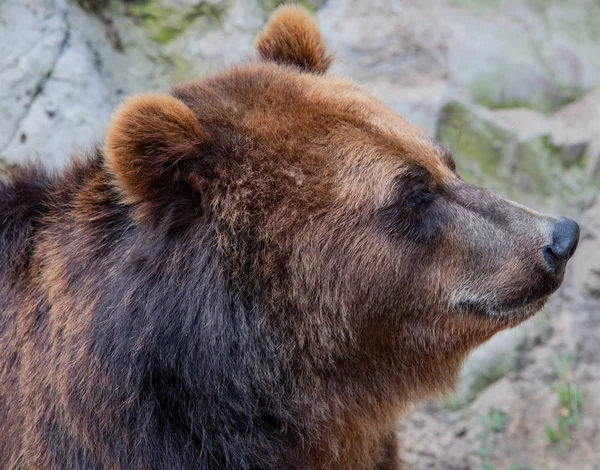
[149, 145]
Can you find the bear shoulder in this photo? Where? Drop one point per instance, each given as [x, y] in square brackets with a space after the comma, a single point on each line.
[23, 192]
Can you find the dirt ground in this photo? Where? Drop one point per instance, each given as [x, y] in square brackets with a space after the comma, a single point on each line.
[544, 414]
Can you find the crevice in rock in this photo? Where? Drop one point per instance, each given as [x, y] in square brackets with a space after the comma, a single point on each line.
[39, 88]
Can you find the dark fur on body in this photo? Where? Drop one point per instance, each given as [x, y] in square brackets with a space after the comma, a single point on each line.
[134, 348]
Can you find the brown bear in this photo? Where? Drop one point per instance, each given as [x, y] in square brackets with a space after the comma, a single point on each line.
[258, 270]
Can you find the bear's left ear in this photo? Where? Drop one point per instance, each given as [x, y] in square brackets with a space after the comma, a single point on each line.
[150, 143]
[292, 37]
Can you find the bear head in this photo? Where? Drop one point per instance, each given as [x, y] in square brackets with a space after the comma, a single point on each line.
[347, 226]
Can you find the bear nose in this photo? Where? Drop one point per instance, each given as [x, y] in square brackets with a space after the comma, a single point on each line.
[565, 236]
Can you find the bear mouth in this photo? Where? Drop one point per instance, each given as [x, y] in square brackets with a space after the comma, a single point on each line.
[519, 307]
[515, 310]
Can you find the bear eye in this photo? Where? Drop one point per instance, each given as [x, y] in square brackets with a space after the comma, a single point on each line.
[419, 198]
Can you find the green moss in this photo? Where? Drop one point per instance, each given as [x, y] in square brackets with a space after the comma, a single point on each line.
[269, 5]
[582, 25]
[178, 69]
[164, 22]
[453, 402]
[93, 6]
[541, 169]
[488, 154]
[481, 144]
[535, 172]
[538, 166]
[3, 164]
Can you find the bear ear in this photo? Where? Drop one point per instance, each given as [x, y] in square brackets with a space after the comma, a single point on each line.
[292, 37]
[150, 143]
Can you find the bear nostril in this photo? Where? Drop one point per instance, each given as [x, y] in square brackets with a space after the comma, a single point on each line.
[553, 261]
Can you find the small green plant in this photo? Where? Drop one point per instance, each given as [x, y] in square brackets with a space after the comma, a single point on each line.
[452, 402]
[495, 421]
[571, 406]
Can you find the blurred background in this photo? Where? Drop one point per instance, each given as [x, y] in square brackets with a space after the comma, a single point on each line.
[511, 86]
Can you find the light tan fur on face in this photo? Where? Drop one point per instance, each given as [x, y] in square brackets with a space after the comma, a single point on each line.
[376, 146]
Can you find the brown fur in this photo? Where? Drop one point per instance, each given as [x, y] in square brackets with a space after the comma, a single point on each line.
[149, 142]
[261, 270]
[292, 37]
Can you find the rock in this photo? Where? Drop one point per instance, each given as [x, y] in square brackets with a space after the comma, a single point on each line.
[38, 32]
[537, 168]
[586, 275]
[574, 126]
[62, 77]
[483, 145]
[539, 54]
[592, 156]
[166, 20]
[269, 5]
[533, 164]
[76, 91]
[205, 36]
[210, 47]
[528, 124]
[569, 129]
[521, 153]
[492, 361]
[399, 39]
[526, 53]
[420, 104]
[547, 133]
[572, 153]
[577, 123]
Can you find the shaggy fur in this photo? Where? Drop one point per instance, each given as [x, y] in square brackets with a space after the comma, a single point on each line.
[292, 37]
[260, 270]
[150, 142]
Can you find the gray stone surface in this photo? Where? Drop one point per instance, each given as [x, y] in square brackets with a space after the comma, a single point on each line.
[60, 76]
[421, 102]
[504, 53]
[32, 38]
[61, 84]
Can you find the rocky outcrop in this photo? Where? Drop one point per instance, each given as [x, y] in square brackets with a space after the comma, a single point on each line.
[525, 52]
[547, 160]
[64, 70]
[61, 79]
